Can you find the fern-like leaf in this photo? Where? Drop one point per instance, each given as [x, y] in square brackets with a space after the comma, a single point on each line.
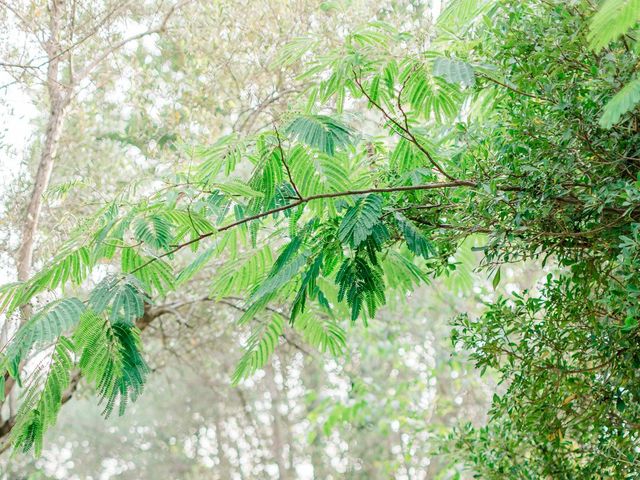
[111, 360]
[359, 221]
[259, 348]
[416, 241]
[622, 102]
[322, 333]
[454, 71]
[44, 327]
[154, 231]
[361, 283]
[613, 19]
[42, 401]
[320, 132]
[125, 299]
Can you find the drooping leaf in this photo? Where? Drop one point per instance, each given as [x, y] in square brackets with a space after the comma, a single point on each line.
[259, 348]
[359, 221]
[44, 327]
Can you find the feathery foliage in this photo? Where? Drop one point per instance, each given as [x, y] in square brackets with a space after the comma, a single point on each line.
[44, 327]
[488, 145]
[43, 399]
[110, 358]
[613, 19]
[323, 133]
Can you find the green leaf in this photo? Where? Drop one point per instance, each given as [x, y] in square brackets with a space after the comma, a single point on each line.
[292, 258]
[198, 263]
[416, 241]
[361, 283]
[322, 333]
[111, 359]
[42, 401]
[622, 102]
[321, 132]
[613, 19]
[238, 188]
[125, 298]
[360, 220]
[496, 279]
[294, 50]
[454, 71]
[154, 231]
[259, 348]
[44, 327]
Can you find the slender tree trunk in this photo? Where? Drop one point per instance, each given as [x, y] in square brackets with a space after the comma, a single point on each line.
[277, 443]
[224, 468]
[58, 101]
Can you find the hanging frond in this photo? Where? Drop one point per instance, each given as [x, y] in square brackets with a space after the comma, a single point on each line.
[111, 360]
[154, 231]
[361, 284]
[322, 333]
[318, 173]
[259, 348]
[294, 50]
[72, 264]
[44, 327]
[458, 14]
[416, 241]
[308, 287]
[360, 219]
[431, 96]
[242, 274]
[188, 223]
[198, 263]
[223, 155]
[153, 276]
[124, 299]
[42, 401]
[402, 272]
[8, 292]
[622, 102]
[454, 71]
[291, 259]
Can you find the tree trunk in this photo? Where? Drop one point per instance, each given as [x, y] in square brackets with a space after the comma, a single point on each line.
[277, 442]
[58, 101]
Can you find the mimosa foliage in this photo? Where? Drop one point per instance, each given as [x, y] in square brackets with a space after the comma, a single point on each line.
[490, 141]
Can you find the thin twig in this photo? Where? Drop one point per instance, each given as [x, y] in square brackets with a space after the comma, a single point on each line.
[407, 133]
[286, 167]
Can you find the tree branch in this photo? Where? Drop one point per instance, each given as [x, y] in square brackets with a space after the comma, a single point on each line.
[158, 29]
[409, 135]
[284, 162]
[257, 216]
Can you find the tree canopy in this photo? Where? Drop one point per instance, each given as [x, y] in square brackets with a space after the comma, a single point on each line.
[508, 128]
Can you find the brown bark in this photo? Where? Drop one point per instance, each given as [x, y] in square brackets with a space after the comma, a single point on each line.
[58, 101]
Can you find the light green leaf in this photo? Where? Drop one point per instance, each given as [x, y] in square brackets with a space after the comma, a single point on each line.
[622, 102]
[321, 132]
[613, 19]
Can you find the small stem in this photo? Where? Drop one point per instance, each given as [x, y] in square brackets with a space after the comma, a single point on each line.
[284, 162]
